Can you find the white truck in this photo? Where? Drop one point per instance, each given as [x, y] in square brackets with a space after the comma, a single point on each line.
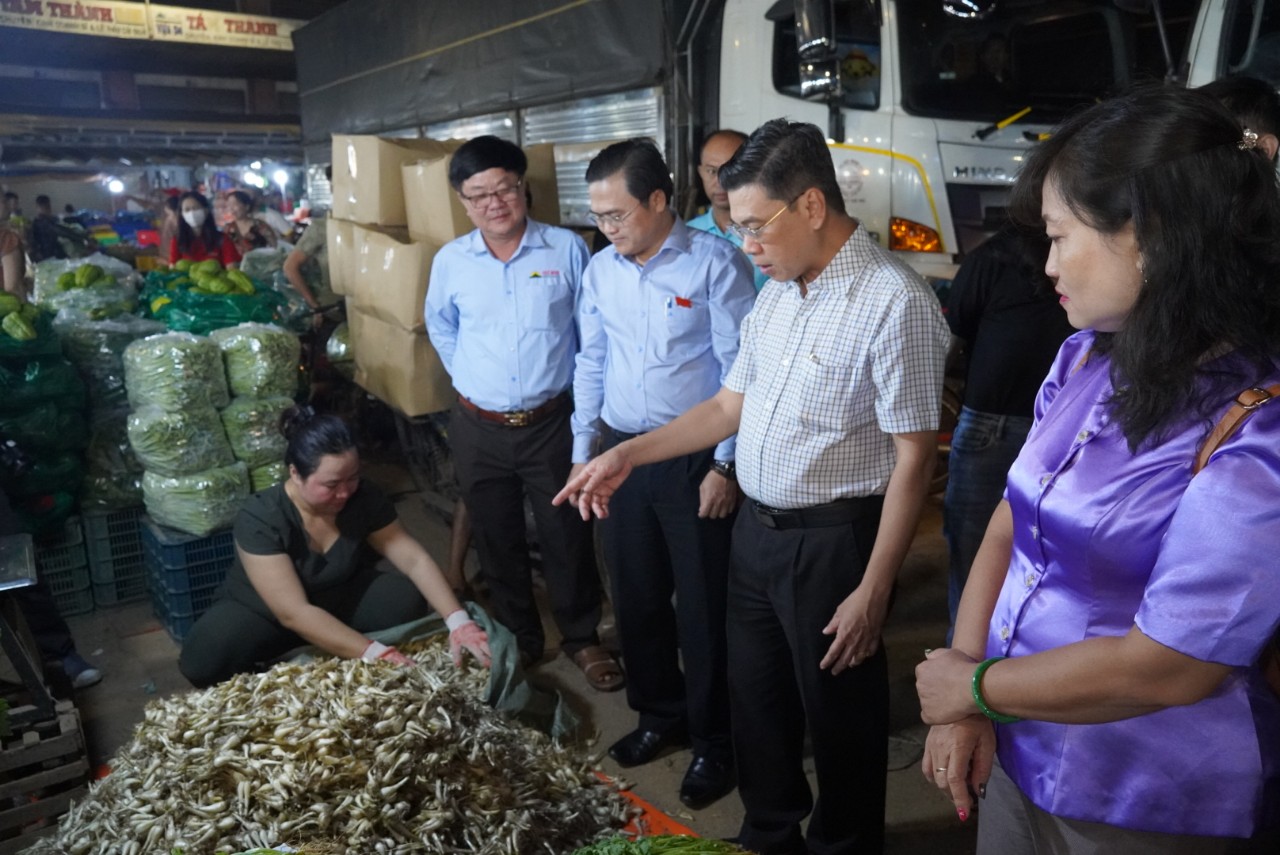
[930, 105]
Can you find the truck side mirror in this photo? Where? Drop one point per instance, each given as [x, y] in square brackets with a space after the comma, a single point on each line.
[816, 45]
[970, 10]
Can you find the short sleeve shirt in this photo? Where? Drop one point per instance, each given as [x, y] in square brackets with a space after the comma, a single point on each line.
[270, 524]
[314, 244]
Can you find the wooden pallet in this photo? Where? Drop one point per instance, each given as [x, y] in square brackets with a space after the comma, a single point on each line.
[42, 770]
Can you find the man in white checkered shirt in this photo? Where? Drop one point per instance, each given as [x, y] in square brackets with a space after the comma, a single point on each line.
[835, 397]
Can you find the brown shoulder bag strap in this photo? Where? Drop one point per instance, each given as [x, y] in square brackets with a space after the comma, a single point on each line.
[1246, 402]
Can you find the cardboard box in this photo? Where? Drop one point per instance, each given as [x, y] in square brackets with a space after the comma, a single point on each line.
[367, 185]
[436, 215]
[391, 276]
[342, 255]
[398, 366]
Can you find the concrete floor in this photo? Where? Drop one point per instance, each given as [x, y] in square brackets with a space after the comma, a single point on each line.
[140, 663]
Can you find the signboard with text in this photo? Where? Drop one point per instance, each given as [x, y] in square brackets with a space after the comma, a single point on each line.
[125, 20]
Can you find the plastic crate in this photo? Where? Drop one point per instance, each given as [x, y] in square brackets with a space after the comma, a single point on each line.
[192, 600]
[178, 551]
[177, 625]
[116, 555]
[63, 567]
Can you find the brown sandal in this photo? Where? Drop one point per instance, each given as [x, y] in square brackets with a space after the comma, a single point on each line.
[602, 671]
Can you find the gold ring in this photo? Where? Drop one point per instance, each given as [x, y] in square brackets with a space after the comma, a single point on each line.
[940, 769]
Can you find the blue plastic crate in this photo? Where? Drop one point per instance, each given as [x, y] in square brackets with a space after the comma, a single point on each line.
[116, 555]
[192, 600]
[177, 625]
[178, 551]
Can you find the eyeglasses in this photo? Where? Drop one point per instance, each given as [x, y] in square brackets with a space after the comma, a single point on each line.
[744, 232]
[612, 220]
[480, 200]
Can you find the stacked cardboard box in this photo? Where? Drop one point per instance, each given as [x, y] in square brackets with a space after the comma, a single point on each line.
[393, 210]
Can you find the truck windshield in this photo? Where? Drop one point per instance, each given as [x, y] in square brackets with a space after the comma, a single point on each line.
[1049, 56]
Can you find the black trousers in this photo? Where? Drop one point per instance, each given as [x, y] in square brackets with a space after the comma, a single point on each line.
[656, 547]
[233, 638]
[784, 587]
[497, 466]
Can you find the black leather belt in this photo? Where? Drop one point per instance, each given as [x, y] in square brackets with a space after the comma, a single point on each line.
[839, 512]
[620, 436]
[517, 418]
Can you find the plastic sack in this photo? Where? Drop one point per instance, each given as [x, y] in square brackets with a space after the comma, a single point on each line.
[262, 477]
[294, 312]
[173, 371]
[44, 344]
[342, 356]
[120, 278]
[197, 504]
[261, 359]
[45, 427]
[262, 264]
[24, 384]
[184, 311]
[112, 472]
[96, 348]
[253, 429]
[51, 473]
[178, 442]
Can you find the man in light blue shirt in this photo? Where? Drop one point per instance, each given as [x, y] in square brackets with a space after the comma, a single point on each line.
[659, 317]
[716, 150]
[500, 312]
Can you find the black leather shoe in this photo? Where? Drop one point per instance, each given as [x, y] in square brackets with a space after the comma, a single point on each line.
[641, 746]
[707, 780]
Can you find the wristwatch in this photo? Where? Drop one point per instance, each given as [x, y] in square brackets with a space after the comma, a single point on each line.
[725, 468]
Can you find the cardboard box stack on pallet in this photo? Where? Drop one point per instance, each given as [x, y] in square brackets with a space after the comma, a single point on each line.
[393, 209]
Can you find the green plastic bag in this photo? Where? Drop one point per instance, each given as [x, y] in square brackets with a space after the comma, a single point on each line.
[59, 471]
[25, 383]
[45, 427]
[44, 344]
[185, 311]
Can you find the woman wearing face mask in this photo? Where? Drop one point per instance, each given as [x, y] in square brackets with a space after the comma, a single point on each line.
[198, 238]
[245, 232]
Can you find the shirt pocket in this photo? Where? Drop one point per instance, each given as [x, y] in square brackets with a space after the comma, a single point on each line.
[824, 394]
[548, 302]
[686, 323]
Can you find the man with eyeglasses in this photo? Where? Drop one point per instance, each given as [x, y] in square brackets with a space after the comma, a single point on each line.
[659, 316]
[500, 312]
[834, 398]
[716, 150]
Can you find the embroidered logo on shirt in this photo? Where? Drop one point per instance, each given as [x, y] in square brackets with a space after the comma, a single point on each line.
[538, 274]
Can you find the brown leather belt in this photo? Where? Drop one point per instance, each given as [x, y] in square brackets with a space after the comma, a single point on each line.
[518, 418]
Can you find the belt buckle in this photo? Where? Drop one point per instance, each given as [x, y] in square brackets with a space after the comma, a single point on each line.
[766, 516]
[516, 418]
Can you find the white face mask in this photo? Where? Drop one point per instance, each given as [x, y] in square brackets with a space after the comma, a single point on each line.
[194, 218]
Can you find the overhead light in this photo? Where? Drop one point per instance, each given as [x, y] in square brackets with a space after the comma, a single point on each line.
[281, 177]
[253, 179]
[115, 185]
[257, 164]
[126, 161]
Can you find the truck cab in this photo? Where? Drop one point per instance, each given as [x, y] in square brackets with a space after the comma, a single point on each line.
[932, 105]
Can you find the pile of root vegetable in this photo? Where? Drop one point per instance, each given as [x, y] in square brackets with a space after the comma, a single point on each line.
[378, 758]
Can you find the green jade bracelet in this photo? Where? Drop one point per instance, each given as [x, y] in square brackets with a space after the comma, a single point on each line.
[998, 718]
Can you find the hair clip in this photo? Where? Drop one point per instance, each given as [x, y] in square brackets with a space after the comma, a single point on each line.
[1248, 142]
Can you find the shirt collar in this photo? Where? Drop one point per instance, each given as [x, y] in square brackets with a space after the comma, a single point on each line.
[841, 272]
[533, 238]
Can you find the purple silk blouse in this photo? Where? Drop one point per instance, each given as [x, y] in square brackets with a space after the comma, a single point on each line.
[1103, 540]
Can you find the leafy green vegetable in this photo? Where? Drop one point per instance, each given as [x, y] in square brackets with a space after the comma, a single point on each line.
[253, 427]
[179, 442]
[174, 371]
[197, 504]
[262, 360]
[665, 844]
[96, 348]
[262, 477]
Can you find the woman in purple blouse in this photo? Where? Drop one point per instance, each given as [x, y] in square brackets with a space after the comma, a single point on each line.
[1107, 649]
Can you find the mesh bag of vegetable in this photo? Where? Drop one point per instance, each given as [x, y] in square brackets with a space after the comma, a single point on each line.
[174, 371]
[262, 477]
[340, 352]
[179, 442]
[253, 427]
[261, 359]
[96, 348]
[113, 474]
[197, 504]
